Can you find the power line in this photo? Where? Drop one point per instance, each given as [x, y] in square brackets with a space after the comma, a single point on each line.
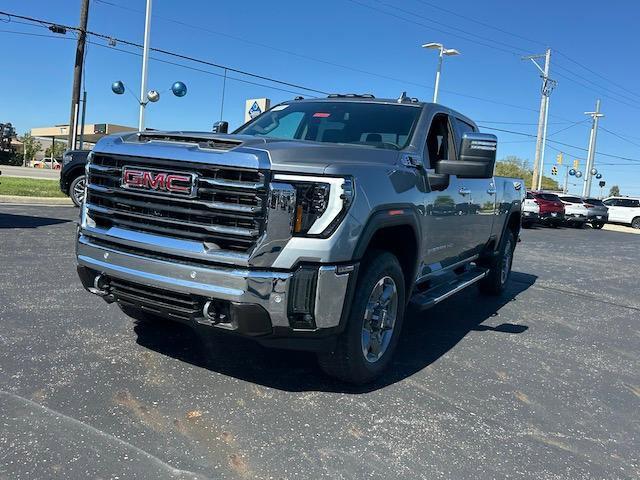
[451, 92]
[615, 99]
[385, 12]
[31, 34]
[474, 20]
[166, 52]
[597, 74]
[466, 32]
[198, 69]
[621, 137]
[560, 143]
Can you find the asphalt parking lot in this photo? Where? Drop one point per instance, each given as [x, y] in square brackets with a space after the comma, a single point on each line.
[542, 383]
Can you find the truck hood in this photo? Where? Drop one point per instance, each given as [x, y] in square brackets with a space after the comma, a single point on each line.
[246, 151]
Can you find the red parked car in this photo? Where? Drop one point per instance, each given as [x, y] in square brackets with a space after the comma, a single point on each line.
[551, 208]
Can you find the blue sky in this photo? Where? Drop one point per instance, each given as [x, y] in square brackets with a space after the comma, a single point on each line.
[338, 46]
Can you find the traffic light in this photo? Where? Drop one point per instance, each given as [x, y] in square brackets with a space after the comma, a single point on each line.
[554, 170]
[576, 164]
[559, 158]
[602, 183]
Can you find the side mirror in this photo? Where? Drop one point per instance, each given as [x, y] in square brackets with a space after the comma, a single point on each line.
[220, 127]
[476, 159]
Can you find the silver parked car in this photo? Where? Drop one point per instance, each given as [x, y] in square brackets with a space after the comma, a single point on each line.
[597, 212]
[575, 211]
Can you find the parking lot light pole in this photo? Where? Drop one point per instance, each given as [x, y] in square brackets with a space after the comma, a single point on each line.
[145, 64]
[586, 186]
[442, 52]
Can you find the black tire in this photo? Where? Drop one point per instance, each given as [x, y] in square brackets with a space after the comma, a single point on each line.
[495, 282]
[527, 224]
[348, 362]
[635, 223]
[76, 190]
[597, 226]
[578, 225]
[554, 224]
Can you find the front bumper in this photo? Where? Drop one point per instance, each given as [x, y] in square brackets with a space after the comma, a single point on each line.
[256, 303]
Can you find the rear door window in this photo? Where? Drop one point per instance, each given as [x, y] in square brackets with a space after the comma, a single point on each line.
[549, 197]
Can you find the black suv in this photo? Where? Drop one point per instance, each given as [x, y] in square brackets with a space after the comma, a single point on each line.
[72, 179]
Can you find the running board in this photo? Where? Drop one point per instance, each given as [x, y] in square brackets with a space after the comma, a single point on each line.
[429, 298]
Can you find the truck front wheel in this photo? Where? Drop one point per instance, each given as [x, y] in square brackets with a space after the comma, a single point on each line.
[500, 268]
[366, 346]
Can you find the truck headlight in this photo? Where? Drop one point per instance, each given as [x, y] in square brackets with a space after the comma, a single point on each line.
[321, 203]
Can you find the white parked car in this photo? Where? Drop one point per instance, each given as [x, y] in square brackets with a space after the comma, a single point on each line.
[624, 210]
[575, 211]
[530, 211]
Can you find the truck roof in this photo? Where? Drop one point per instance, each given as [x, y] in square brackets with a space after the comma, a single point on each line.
[367, 98]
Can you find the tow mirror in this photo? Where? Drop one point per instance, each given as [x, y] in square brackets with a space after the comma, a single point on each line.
[220, 127]
[476, 158]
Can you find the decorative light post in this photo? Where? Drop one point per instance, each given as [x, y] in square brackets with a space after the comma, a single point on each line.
[442, 53]
[179, 89]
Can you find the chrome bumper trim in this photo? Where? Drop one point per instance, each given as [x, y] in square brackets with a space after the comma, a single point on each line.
[266, 288]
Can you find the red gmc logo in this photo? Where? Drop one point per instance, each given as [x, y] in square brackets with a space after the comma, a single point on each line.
[161, 182]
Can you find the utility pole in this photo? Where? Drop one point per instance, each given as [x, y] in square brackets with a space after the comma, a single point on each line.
[586, 187]
[547, 87]
[77, 74]
[145, 65]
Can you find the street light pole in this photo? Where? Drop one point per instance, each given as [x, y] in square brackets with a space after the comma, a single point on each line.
[586, 186]
[145, 65]
[441, 53]
[438, 72]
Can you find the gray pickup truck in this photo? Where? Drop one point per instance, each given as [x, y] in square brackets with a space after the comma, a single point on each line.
[312, 227]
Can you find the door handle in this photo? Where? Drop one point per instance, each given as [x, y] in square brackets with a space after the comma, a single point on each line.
[491, 191]
[464, 191]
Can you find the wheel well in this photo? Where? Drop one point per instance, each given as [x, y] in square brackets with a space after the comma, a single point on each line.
[513, 223]
[72, 175]
[401, 241]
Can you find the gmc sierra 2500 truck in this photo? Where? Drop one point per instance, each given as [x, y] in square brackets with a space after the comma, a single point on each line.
[311, 227]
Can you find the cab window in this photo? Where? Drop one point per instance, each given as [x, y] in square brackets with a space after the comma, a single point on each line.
[439, 142]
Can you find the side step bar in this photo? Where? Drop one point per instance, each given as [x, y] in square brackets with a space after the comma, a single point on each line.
[437, 294]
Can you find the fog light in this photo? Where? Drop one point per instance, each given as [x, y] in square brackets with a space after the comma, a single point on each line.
[302, 298]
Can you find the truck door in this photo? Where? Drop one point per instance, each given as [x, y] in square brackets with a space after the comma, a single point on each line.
[481, 194]
[446, 210]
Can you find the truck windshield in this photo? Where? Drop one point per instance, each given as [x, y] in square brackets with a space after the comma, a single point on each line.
[360, 123]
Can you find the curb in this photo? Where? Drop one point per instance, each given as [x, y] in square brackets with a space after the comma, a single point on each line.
[19, 200]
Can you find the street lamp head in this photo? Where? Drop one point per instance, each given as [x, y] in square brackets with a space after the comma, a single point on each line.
[153, 96]
[432, 45]
[117, 87]
[450, 51]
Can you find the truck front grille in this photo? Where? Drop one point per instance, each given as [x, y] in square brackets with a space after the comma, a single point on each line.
[228, 211]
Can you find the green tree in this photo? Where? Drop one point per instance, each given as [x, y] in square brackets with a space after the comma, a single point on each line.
[615, 191]
[512, 166]
[31, 146]
[59, 149]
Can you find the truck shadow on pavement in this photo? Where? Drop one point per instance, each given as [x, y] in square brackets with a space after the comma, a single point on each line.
[9, 220]
[426, 337]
